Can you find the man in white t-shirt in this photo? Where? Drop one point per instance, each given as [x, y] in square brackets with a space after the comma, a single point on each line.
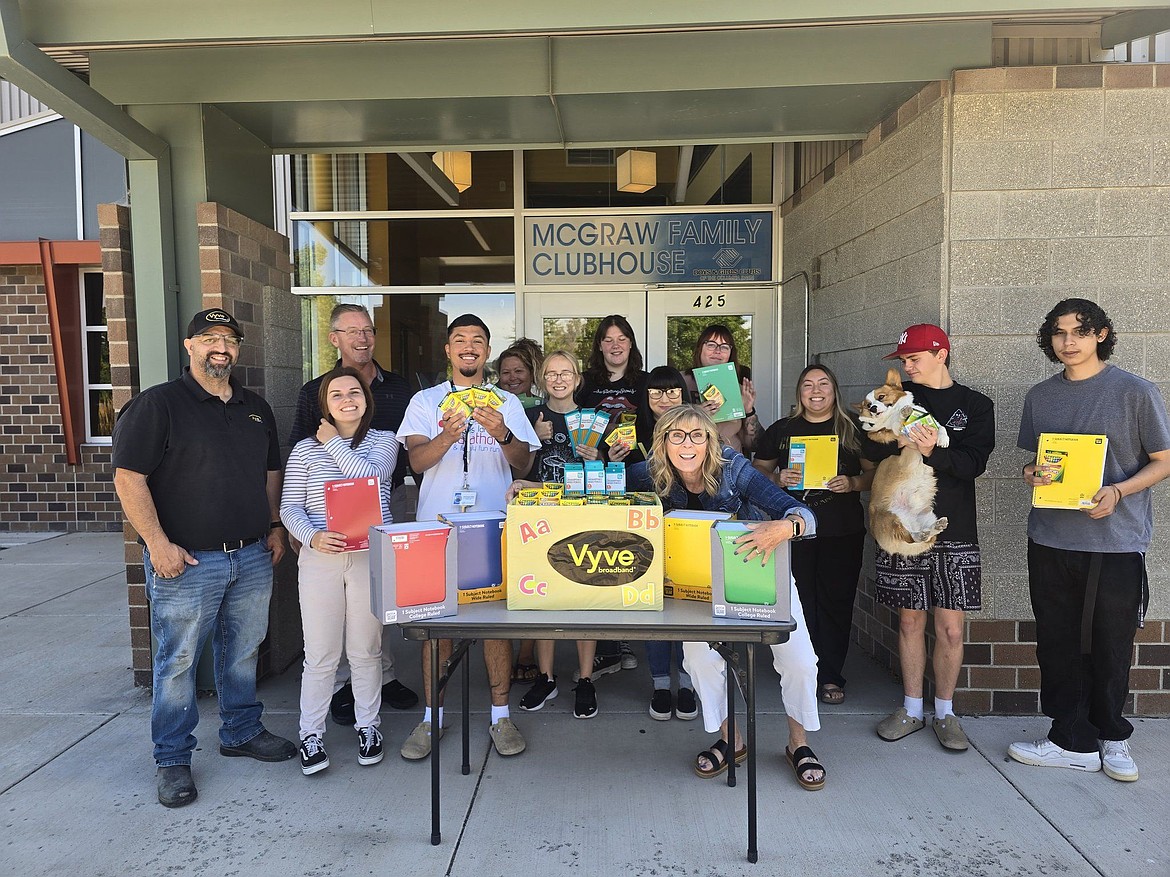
[467, 464]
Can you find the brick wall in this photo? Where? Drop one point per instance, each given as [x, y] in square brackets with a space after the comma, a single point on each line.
[39, 490]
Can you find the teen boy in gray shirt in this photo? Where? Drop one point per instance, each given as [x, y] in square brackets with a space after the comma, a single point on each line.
[1086, 569]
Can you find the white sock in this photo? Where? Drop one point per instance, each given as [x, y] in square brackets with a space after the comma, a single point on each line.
[913, 706]
[499, 712]
[427, 715]
[943, 708]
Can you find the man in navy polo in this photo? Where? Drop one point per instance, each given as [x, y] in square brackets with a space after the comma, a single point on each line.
[197, 469]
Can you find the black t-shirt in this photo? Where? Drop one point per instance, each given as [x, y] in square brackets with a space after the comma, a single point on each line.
[838, 514]
[206, 461]
[615, 398]
[969, 418]
[549, 464]
[391, 394]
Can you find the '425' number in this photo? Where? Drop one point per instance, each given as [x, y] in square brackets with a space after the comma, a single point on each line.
[709, 301]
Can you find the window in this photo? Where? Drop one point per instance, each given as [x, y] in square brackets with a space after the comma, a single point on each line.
[95, 361]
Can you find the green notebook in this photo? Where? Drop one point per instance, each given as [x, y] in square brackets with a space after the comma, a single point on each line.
[720, 383]
[746, 582]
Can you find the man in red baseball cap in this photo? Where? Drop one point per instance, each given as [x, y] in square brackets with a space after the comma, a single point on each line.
[948, 578]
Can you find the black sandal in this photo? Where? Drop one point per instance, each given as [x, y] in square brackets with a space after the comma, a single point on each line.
[717, 756]
[803, 761]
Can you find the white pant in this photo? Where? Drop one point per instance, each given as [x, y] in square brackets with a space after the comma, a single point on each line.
[335, 611]
[388, 674]
[795, 661]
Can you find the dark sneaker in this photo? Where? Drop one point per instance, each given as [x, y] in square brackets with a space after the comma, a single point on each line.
[602, 664]
[542, 691]
[369, 745]
[398, 696]
[341, 706]
[263, 747]
[176, 788]
[629, 659]
[314, 758]
[585, 702]
[661, 704]
[686, 708]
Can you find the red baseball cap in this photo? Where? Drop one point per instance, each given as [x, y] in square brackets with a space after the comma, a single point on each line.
[921, 337]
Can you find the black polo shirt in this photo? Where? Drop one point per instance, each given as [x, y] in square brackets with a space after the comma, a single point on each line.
[391, 394]
[206, 461]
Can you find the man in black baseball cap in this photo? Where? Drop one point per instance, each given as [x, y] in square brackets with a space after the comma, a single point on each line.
[205, 320]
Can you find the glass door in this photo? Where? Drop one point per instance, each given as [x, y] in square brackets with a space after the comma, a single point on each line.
[568, 319]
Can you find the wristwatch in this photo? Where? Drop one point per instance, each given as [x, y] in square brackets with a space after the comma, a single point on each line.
[507, 439]
[797, 525]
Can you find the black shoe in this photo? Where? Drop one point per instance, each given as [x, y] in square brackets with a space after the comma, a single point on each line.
[661, 704]
[686, 708]
[397, 696]
[602, 664]
[176, 788]
[341, 706]
[585, 702]
[369, 745]
[542, 691]
[314, 758]
[263, 747]
[629, 659]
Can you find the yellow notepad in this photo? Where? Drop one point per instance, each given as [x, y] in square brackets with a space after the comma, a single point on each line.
[1077, 465]
[815, 456]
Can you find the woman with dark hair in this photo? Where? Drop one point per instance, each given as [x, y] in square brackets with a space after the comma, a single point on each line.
[334, 583]
[715, 346]
[614, 380]
[827, 568]
[517, 367]
[689, 468]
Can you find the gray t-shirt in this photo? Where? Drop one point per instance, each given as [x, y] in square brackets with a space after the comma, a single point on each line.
[1130, 411]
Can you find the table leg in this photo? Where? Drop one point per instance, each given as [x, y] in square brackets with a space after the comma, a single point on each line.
[466, 716]
[750, 697]
[732, 681]
[436, 734]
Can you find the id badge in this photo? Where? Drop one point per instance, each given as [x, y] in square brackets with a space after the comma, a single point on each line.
[465, 498]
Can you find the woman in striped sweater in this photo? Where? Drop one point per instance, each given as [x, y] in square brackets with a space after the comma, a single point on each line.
[334, 583]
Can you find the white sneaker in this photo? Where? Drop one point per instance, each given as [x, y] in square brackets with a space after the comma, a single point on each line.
[1045, 753]
[1116, 760]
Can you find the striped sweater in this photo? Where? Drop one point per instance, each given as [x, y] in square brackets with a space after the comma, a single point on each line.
[311, 464]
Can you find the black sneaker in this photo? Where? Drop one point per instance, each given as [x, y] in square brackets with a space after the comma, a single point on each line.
[542, 691]
[398, 696]
[661, 704]
[369, 745]
[585, 702]
[602, 664]
[341, 706]
[314, 758]
[629, 659]
[686, 708]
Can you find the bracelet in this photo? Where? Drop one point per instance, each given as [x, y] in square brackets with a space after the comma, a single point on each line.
[276, 525]
[748, 414]
[1120, 495]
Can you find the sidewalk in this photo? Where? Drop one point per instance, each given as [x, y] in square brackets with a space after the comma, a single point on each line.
[613, 795]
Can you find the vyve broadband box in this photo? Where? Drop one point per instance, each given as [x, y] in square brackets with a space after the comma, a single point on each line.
[686, 541]
[748, 589]
[414, 571]
[478, 537]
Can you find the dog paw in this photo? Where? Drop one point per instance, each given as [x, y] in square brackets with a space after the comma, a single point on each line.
[944, 440]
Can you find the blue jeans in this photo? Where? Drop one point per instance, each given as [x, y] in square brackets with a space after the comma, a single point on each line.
[226, 595]
[658, 652]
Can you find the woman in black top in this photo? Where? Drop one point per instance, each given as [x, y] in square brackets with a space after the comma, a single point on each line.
[826, 569]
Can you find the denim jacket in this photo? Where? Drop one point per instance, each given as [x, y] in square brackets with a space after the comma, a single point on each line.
[744, 492]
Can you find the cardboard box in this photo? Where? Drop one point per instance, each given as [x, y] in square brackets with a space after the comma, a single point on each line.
[748, 590]
[477, 540]
[414, 571]
[584, 557]
[687, 560]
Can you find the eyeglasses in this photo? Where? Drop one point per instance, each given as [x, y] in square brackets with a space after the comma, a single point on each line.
[672, 393]
[357, 333]
[678, 436]
[559, 376]
[210, 338]
[716, 347]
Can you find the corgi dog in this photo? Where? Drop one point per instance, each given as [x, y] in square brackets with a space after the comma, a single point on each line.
[901, 504]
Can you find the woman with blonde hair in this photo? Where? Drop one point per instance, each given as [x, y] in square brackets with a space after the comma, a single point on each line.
[689, 468]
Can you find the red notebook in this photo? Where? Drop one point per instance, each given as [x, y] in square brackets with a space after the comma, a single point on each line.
[352, 507]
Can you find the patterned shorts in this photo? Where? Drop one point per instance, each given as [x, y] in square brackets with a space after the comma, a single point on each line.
[949, 576]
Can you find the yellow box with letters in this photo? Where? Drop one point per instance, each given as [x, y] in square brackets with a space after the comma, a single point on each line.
[584, 557]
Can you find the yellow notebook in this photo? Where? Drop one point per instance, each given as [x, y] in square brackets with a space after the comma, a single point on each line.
[815, 457]
[1077, 465]
[687, 544]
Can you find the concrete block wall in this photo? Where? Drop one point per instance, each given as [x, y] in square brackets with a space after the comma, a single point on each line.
[1051, 182]
[39, 490]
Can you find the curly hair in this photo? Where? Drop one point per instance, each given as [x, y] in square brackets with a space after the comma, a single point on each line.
[1092, 319]
[662, 471]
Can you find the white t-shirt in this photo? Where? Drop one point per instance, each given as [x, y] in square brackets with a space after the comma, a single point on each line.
[488, 472]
